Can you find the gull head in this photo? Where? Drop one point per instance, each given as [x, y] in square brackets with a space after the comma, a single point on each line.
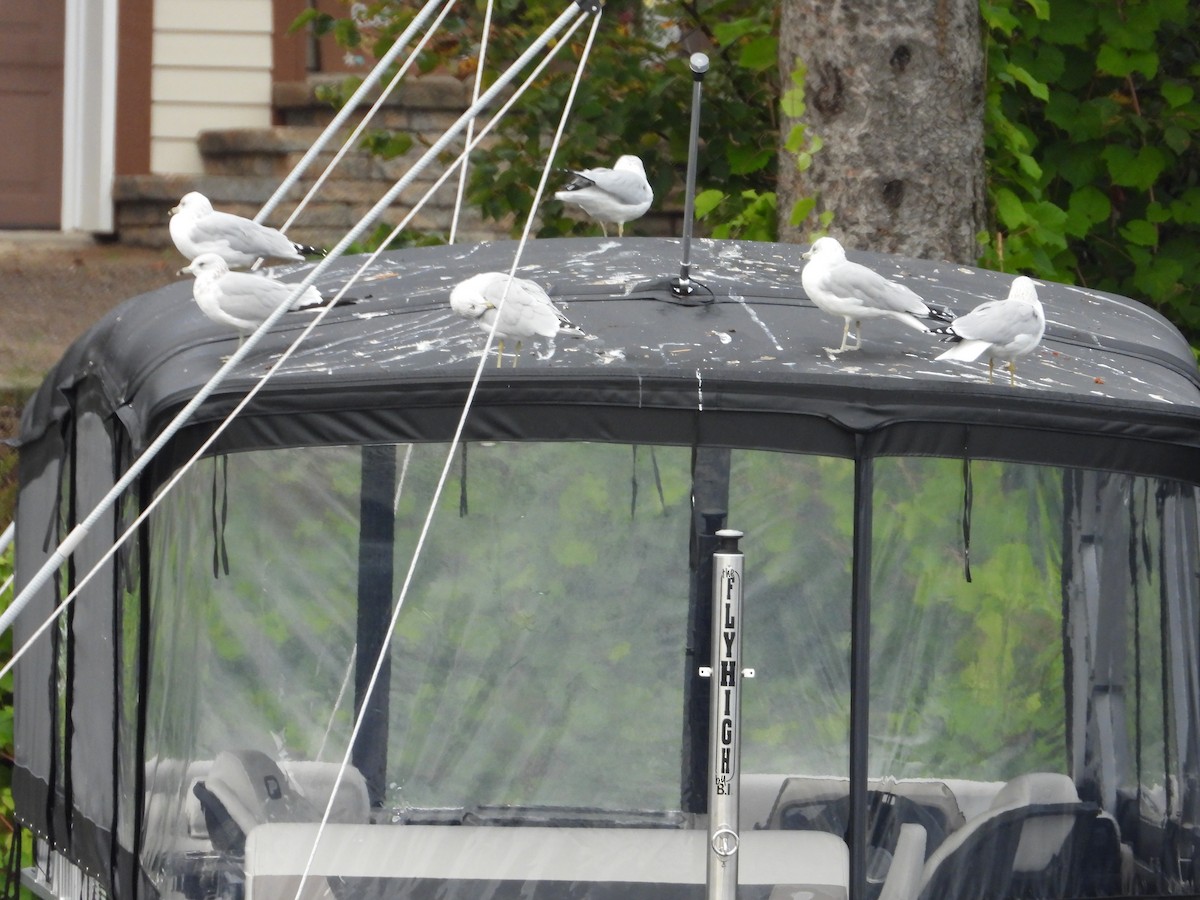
[1023, 289]
[825, 248]
[630, 163]
[467, 300]
[207, 265]
[193, 202]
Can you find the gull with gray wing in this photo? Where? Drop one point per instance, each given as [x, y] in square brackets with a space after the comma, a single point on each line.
[196, 228]
[241, 300]
[519, 309]
[616, 196]
[854, 292]
[1003, 329]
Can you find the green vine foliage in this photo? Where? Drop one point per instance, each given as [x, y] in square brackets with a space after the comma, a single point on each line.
[1092, 120]
[635, 97]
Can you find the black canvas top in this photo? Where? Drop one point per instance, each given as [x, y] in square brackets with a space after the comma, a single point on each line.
[1109, 369]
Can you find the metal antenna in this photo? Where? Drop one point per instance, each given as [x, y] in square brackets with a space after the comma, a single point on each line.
[682, 286]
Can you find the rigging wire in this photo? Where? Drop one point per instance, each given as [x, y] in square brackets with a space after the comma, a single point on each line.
[80, 531]
[454, 443]
[347, 110]
[370, 114]
[479, 63]
[6, 537]
[176, 477]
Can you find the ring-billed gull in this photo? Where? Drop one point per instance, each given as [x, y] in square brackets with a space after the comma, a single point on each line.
[197, 228]
[527, 312]
[617, 195]
[1003, 329]
[854, 292]
[240, 299]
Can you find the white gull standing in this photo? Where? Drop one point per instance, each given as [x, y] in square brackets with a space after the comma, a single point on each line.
[241, 300]
[617, 195]
[854, 292]
[527, 312]
[197, 228]
[1003, 329]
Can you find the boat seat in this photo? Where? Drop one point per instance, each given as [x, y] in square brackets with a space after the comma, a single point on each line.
[823, 804]
[244, 789]
[317, 781]
[1036, 840]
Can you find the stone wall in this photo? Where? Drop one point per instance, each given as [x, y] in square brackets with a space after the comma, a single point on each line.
[243, 167]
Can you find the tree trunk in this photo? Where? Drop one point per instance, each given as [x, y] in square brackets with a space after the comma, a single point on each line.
[895, 92]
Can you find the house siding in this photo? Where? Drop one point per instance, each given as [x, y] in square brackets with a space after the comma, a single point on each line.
[211, 69]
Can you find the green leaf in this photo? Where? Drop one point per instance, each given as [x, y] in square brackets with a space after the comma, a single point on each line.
[1176, 93]
[795, 139]
[1138, 169]
[792, 103]
[727, 33]
[1158, 278]
[707, 201]
[1088, 206]
[1010, 209]
[801, 210]
[1041, 8]
[1120, 62]
[760, 54]
[1037, 88]
[1029, 165]
[302, 20]
[1157, 213]
[998, 17]
[1186, 209]
[1140, 232]
[1069, 24]
[743, 160]
[1179, 139]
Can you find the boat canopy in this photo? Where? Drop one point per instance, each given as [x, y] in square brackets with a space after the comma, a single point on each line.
[395, 634]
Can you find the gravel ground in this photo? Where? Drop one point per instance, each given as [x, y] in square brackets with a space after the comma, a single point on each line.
[53, 287]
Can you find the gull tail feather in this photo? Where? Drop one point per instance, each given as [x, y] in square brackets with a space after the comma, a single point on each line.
[940, 313]
[306, 250]
[966, 350]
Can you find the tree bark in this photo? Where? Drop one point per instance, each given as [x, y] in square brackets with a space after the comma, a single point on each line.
[895, 91]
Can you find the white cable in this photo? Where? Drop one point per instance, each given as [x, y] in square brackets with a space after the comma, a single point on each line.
[483, 132]
[178, 475]
[462, 174]
[370, 114]
[6, 537]
[441, 483]
[7, 584]
[347, 110]
[72, 540]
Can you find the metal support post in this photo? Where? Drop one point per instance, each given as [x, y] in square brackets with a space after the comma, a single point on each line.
[725, 680]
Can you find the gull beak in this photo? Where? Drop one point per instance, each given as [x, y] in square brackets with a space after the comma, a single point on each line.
[174, 209]
[186, 270]
[807, 254]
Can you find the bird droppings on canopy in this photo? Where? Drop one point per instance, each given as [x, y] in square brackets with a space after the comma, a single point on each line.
[405, 333]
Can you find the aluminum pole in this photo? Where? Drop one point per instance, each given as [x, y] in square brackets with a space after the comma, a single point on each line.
[725, 684]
